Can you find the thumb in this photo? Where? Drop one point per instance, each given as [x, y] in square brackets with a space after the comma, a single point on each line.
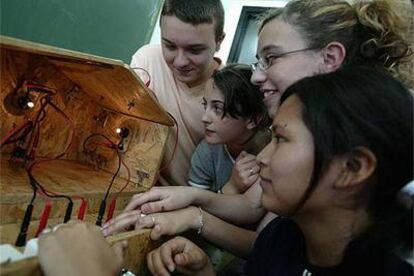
[241, 155]
[184, 259]
[120, 249]
[156, 232]
[191, 260]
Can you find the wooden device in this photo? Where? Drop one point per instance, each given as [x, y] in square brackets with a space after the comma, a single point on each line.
[98, 96]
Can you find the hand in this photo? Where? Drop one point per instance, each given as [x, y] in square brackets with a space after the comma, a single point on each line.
[78, 248]
[181, 254]
[160, 199]
[245, 172]
[167, 223]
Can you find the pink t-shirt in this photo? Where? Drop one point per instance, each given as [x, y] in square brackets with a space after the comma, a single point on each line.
[183, 102]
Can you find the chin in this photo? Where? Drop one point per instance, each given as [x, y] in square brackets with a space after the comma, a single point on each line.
[186, 79]
[212, 141]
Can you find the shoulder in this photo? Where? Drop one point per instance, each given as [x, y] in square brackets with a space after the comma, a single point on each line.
[152, 49]
[146, 53]
[205, 147]
[279, 228]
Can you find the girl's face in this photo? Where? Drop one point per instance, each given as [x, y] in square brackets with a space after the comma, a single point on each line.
[276, 39]
[219, 129]
[287, 161]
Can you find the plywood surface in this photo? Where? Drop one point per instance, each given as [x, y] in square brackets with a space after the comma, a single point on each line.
[111, 83]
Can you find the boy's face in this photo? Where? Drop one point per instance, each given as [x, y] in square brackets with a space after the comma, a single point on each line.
[187, 49]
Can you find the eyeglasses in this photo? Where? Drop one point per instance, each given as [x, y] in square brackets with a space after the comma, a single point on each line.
[265, 63]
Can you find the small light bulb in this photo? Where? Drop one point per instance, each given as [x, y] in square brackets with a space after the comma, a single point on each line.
[30, 104]
[118, 130]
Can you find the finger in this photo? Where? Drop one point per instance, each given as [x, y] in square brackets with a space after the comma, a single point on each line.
[241, 155]
[145, 222]
[157, 232]
[159, 266]
[150, 265]
[119, 217]
[193, 259]
[155, 207]
[119, 249]
[139, 199]
[121, 223]
[166, 254]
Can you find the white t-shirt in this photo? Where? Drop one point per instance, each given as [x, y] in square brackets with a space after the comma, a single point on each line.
[181, 101]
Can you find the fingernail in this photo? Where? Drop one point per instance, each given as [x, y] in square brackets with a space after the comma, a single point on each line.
[171, 267]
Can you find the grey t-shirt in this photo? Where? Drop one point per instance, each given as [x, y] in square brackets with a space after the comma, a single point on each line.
[211, 166]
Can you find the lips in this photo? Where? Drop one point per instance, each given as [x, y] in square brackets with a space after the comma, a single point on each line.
[183, 71]
[265, 181]
[208, 132]
[269, 93]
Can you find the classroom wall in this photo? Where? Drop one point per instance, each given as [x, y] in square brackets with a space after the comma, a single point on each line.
[108, 28]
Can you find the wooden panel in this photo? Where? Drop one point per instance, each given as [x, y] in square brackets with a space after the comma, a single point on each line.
[96, 94]
[110, 82]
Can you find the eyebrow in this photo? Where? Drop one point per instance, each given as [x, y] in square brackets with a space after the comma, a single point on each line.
[200, 45]
[217, 101]
[268, 48]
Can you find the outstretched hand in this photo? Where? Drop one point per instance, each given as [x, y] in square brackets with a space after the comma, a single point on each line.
[160, 199]
[162, 224]
[179, 254]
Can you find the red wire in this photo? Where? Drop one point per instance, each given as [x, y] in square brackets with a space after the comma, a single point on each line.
[41, 88]
[14, 131]
[44, 218]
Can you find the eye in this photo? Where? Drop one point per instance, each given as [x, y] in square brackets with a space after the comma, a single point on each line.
[195, 51]
[204, 104]
[270, 58]
[170, 46]
[279, 139]
[218, 109]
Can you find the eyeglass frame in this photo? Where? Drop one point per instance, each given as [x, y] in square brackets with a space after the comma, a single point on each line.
[260, 64]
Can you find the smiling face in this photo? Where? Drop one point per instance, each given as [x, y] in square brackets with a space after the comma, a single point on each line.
[219, 129]
[188, 50]
[287, 161]
[278, 37]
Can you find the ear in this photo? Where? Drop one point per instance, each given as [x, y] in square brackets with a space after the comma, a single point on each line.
[219, 41]
[333, 56]
[251, 123]
[357, 167]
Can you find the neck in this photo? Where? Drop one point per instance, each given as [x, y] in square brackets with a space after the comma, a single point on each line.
[251, 141]
[206, 74]
[328, 234]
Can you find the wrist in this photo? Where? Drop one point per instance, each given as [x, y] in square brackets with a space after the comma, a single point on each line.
[194, 215]
[200, 197]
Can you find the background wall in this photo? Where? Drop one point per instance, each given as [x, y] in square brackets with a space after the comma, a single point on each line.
[108, 28]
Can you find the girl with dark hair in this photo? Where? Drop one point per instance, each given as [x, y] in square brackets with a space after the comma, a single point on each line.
[341, 154]
[235, 120]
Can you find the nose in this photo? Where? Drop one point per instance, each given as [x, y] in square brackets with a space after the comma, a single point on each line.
[265, 155]
[258, 77]
[181, 59]
[206, 118]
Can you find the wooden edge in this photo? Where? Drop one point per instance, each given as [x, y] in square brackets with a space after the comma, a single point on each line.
[137, 240]
[52, 51]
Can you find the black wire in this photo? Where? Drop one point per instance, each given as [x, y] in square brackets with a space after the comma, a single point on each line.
[45, 192]
[114, 176]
